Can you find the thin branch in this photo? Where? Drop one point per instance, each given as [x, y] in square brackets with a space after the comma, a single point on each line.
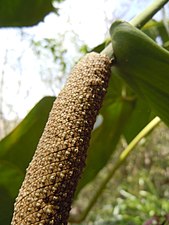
[140, 20]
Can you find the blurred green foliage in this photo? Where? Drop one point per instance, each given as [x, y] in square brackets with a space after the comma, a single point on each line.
[20, 13]
[139, 191]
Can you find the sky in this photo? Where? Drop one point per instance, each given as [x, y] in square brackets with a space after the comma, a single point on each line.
[83, 21]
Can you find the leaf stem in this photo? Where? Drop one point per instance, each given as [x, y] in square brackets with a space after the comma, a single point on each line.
[123, 156]
[139, 21]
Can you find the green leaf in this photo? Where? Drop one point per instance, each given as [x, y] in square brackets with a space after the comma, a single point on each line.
[163, 33]
[6, 206]
[17, 13]
[16, 151]
[101, 46]
[10, 178]
[140, 117]
[143, 65]
[156, 29]
[19, 146]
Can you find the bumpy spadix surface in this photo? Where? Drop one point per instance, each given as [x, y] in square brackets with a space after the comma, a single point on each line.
[46, 194]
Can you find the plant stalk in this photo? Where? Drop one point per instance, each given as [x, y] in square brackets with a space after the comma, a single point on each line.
[139, 21]
[123, 156]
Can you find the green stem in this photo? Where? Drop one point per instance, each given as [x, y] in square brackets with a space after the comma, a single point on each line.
[123, 156]
[146, 130]
[139, 21]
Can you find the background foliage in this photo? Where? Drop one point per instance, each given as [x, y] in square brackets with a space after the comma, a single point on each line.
[19, 13]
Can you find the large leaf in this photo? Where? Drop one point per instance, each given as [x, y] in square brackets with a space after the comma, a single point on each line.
[18, 147]
[140, 117]
[10, 178]
[143, 65]
[16, 151]
[6, 206]
[101, 46]
[142, 112]
[10, 181]
[16, 13]
[156, 30]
